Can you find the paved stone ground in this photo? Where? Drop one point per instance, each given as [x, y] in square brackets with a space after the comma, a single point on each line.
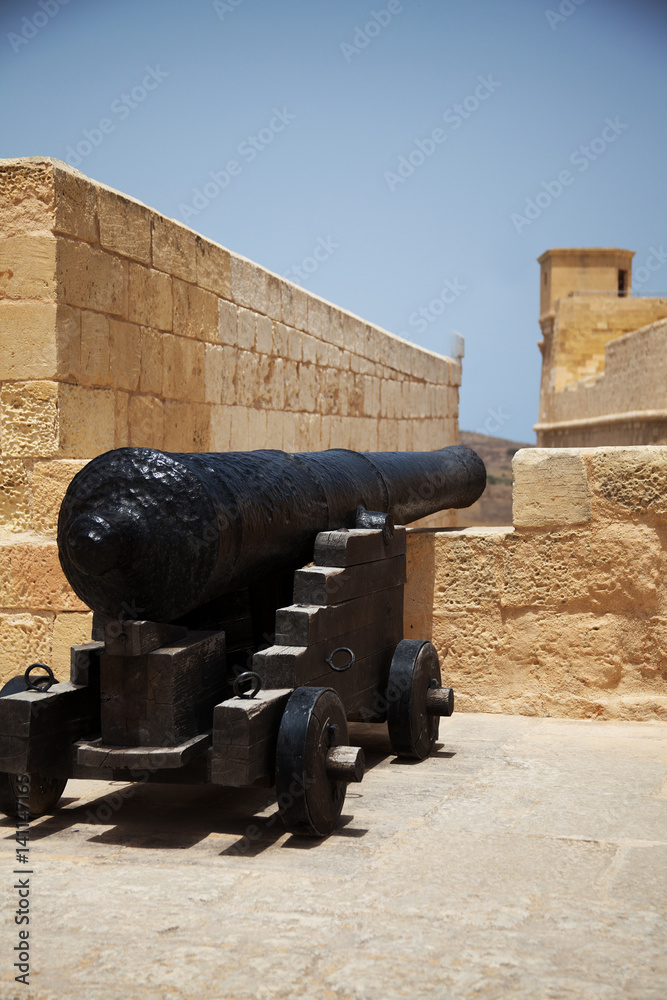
[526, 859]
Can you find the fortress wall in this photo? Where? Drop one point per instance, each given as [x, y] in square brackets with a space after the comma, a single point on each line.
[628, 399]
[119, 327]
[565, 612]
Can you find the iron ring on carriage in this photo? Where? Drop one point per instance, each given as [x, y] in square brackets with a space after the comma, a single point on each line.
[340, 649]
[252, 692]
[39, 683]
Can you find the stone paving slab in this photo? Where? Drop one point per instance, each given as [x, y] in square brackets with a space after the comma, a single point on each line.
[526, 859]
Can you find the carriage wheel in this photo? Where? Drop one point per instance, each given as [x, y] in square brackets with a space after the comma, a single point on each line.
[314, 762]
[415, 699]
[44, 790]
[44, 794]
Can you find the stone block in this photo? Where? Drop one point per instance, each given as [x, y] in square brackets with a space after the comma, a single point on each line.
[186, 426]
[150, 377]
[28, 267]
[274, 297]
[50, 480]
[628, 482]
[75, 203]
[263, 335]
[121, 419]
[294, 303]
[91, 278]
[27, 192]
[354, 334]
[28, 344]
[228, 386]
[309, 348]
[125, 225]
[246, 331]
[249, 284]
[95, 368]
[271, 383]
[124, 355]
[174, 248]
[214, 364]
[274, 429]
[247, 378]
[550, 488]
[257, 428]
[31, 577]
[289, 427]
[25, 638]
[14, 495]
[239, 433]
[292, 393]
[86, 422]
[150, 297]
[30, 419]
[184, 361]
[146, 422]
[227, 323]
[221, 428]
[195, 312]
[570, 568]
[307, 383]
[214, 268]
[294, 345]
[318, 318]
[70, 628]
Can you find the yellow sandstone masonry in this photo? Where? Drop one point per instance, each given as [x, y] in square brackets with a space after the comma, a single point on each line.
[119, 327]
[565, 613]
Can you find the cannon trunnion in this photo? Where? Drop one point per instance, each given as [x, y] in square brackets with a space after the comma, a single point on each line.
[255, 682]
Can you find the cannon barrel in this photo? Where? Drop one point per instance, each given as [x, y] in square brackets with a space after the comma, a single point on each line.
[154, 535]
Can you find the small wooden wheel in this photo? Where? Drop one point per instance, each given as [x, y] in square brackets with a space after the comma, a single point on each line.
[310, 778]
[44, 794]
[414, 671]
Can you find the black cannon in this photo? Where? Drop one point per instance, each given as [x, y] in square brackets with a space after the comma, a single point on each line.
[219, 654]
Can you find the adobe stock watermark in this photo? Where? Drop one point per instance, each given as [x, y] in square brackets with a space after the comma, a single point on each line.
[322, 251]
[657, 258]
[581, 158]
[31, 26]
[249, 150]
[378, 21]
[495, 420]
[421, 318]
[224, 7]
[121, 108]
[454, 116]
[566, 9]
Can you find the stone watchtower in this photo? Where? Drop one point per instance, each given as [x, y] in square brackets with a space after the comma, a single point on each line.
[597, 389]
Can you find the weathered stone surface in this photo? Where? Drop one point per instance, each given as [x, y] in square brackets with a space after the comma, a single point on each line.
[28, 267]
[14, 495]
[550, 488]
[91, 278]
[31, 577]
[70, 628]
[174, 248]
[25, 638]
[628, 481]
[50, 480]
[30, 419]
[125, 225]
[150, 298]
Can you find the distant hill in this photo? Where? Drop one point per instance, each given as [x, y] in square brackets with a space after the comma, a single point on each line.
[495, 504]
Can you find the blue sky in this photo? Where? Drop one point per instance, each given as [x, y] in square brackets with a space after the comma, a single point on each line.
[405, 150]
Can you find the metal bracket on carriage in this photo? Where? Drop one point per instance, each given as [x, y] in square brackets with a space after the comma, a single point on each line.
[345, 666]
[377, 520]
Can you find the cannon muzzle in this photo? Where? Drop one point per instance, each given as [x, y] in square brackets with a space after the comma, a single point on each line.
[148, 534]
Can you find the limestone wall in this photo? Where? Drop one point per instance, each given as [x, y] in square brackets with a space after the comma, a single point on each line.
[565, 612]
[581, 338]
[627, 399]
[120, 326]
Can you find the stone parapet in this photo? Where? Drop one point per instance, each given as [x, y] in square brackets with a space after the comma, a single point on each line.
[565, 612]
[119, 326]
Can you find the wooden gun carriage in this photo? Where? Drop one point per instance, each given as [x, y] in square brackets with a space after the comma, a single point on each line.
[247, 606]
